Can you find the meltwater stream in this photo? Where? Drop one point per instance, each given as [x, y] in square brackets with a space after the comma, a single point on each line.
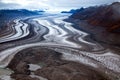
[55, 33]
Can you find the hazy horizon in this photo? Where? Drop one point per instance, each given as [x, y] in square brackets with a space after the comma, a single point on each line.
[50, 5]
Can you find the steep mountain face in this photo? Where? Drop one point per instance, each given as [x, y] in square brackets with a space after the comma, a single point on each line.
[107, 16]
[116, 10]
[103, 22]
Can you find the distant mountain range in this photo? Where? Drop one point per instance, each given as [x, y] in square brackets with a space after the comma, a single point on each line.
[9, 15]
[107, 16]
[73, 10]
[18, 12]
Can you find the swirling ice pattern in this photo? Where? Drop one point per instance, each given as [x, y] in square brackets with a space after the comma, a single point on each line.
[20, 30]
[53, 32]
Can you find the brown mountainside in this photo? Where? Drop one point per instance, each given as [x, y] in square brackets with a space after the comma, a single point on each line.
[107, 16]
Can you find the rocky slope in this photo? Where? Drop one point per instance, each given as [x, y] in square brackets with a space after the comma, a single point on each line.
[103, 22]
[106, 15]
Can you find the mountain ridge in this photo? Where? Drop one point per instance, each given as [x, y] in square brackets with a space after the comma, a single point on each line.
[107, 16]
